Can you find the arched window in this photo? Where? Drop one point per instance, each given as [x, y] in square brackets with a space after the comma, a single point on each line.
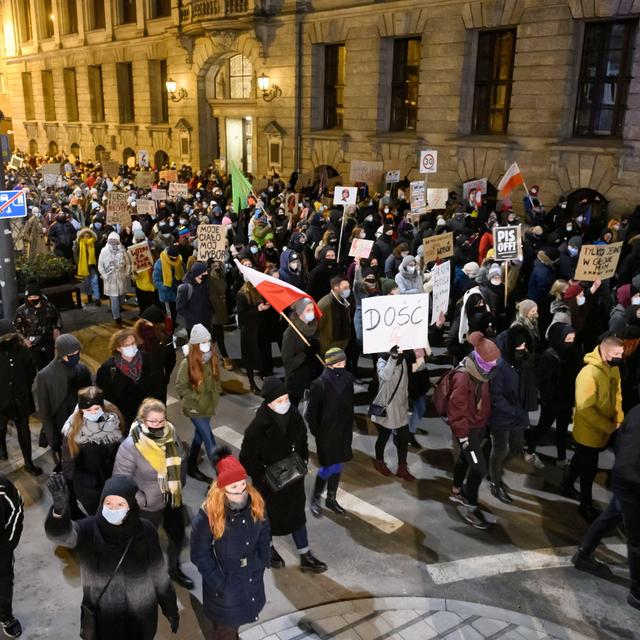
[234, 80]
[128, 153]
[33, 147]
[160, 159]
[53, 148]
[98, 152]
[75, 150]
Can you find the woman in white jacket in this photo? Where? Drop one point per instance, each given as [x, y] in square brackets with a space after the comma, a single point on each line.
[114, 266]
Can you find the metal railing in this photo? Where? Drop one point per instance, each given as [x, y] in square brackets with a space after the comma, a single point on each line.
[197, 10]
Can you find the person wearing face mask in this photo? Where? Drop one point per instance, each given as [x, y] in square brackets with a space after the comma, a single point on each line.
[125, 377]
[329, 239]
[300, 361]
[585, 314]
[39, 323]
[542, 276]
[91, 437]
[153, 457]
[168, 273]
[409, 278]
[383, 246]
[276, 430]
[114, 266]
[62, 235]
[509, 390]
[85, 256]
[319, 283]
[527, 318]
[58, 385]
[192, 303]
[365, 285]
[217, 283]
[198, 385]
[232, 517]
[331, 424]
[124, 576]
[334, 328]
[34, 234]
[626, 295]
[598, 413]
[292, 271]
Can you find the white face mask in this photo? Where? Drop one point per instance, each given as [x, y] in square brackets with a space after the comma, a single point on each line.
[496, 281]
[362, 235]
[281, 407]
[114, 516]
[580, 300]
[386, 209]
[205, 347]
[93, 416]
[369, 218]
[635, 300]
[129, 352]
[411, 269]
[309, 317]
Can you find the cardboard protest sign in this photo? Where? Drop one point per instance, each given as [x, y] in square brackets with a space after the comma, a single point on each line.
[145, 179]
[361, 248]
[345, 195]
[260, 185]
[598, 261]
[118, 208]
[291, 204]
[178, 189]
[428, 161]
[441, 280]
[51, 179]
[141, 258]
[471, 185]
[438, 247]
[365, 171]
[507, 243]
[417, 197]
[169, 175]
[145, 207]
[437, 199]
[159, 194]
[212, 242]
[110, 168]
[393, 176]
[54, 168]
[401, 320]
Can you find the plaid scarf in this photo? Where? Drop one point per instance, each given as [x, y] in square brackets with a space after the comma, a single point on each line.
[131, 369]
[163, 454]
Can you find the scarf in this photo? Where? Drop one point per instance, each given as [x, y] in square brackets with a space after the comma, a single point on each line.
[133, 369]
[163, 454]
[105, 431]
[86, 256]
[171, 269]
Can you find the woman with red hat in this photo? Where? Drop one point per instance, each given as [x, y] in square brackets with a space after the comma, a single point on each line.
[230, 540]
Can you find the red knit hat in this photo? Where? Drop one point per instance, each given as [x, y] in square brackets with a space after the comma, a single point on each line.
[229, 468]
[573, 291]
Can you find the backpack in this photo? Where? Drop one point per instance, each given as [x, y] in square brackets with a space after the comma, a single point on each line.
[189, 288]
[441, 392]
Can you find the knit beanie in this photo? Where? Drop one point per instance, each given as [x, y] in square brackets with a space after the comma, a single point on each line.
[197, 269]
[485, 348]
[575, 241]
[173, 251]
[525, 306]
[300, 305]
[471, 269]
[66, 344]
[334, 355]
[199, 334]
[572, 291]
[495, 271]
[113, 236]
[86, 401]
[123, 487]
[136, 226]
[273, 388]
[228, 468]
[153, 314]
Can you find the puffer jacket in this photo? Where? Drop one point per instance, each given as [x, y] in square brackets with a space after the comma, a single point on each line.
[598, 402]
[201, 402]
[115, 270]
[409, 282]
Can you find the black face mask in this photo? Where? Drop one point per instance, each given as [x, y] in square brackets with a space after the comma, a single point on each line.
[615, 362]
[72, 360]
[520, 355]
[155, 434]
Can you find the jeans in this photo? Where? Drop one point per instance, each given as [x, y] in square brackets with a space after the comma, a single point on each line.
[91, 284]
[116, 306]
[6, 582]
[326, 472]
[301, 539]
[548, 415]
[584, 465]
[401, 439]
[419, 407]
[202, 435]
[503, 443]
[599, 528]
[172, 521]
[630, 506]
[472, 465]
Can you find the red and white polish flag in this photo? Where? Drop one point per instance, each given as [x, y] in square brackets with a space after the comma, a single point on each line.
[510, 180]
[279, 294]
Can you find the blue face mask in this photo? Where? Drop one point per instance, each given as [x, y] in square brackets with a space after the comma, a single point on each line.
[97, 226]
[253, 250]
[114, 516]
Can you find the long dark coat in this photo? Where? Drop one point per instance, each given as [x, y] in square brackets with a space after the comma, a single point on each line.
[265, 443]
[17, 372]
[232, 594]
[249, 322]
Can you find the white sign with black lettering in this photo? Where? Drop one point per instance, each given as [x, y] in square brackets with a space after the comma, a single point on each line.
[401, 320]
[441, 279]
[507, 243]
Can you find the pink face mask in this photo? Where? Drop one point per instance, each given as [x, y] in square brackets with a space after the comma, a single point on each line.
[483, 365]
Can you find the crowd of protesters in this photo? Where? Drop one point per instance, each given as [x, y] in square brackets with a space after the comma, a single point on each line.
[520, 337]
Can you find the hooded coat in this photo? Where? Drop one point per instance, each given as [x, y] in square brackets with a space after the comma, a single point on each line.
[393, 373]
[541, 278]
[409, 282]
[193, 303]
[299, 361]
[114, 266]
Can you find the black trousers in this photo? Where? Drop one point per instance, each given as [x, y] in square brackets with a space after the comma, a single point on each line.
[471, 464]
[172, 521]
[401, 440]
[600, 527]
[629, 501]
[222, 632]
[584, 465]
[24, 435]
[6, 581]
[549, 415]
[217, 333]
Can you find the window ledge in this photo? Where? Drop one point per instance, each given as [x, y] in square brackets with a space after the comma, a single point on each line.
[485, 141]
[127, 126]
[605, 145]
[329, 134]
[398, 137]
[158, 126]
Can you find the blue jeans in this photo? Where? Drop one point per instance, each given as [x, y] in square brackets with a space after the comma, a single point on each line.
[202, 435]
[301, 539]
[419, 407]
[91, 284]
[116, 306]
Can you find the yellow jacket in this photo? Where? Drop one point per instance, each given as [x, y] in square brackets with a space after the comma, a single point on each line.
[143, 280]
[598, 401]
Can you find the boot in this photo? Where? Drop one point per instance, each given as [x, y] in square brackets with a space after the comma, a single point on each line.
[277, 562]
[500, 493]
[332, 489]
[316, 508]
[413, 442]
[196, 474]
[381, 467]
[119, 323]
[403, 472]
[177, 575]
[587, 562]
[227, 363]
[308, 562]
[32, 469]
[255, 389]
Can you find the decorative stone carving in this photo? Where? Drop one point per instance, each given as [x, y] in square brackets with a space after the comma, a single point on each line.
[492, 13]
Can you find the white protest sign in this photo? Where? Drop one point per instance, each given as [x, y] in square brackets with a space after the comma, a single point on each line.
[507, 243]
[212, 242]
[51, 168]
[428, 161]
[159, 194]
[437, 199]
[598, 261]
[401, 320]
[145, 207]
[50, 179]
[16, 162]
[441, 280]
[141, 258]
[393, 176]
[178, 189]
[417, 197]
[361, 248]
[143, 158]
[477, 185]
[345, 195]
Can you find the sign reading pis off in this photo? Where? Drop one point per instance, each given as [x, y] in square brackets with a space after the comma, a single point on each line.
[429, 161]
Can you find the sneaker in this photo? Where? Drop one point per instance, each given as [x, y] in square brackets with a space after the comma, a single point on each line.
[562, 464]
[587, 562]
[11, 627]
[633, 599]
[532, 458]
[474, 516]
[458, 498]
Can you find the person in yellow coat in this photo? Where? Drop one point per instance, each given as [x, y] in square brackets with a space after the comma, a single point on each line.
[85, 255]
[598, 413]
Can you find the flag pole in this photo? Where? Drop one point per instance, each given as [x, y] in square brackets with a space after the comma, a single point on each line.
[524, 184]
[293, 326]
[344, 215]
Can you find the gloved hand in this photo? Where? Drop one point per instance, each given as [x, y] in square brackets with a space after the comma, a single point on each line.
[394, 351]
[464, 443]
[174, 623]
[310, 350]
[59, 491]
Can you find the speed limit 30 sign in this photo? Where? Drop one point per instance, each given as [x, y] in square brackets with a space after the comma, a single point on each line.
[429, 161]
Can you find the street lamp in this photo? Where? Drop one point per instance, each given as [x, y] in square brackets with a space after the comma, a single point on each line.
[269, 92]
[174, 94]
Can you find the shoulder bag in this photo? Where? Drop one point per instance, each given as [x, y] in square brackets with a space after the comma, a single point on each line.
[380, 410]
[285, 472]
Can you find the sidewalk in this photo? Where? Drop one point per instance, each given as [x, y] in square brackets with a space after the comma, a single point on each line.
[408, 618]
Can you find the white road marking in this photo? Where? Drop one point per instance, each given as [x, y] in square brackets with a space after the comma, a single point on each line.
[493, 565]
[171, 400]
[228, 435]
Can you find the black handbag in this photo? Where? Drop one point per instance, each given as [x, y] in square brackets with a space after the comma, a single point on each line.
[88, 616]
[380, 410]
[285, 472]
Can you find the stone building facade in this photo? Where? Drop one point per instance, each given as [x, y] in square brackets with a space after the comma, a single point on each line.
[546, 83]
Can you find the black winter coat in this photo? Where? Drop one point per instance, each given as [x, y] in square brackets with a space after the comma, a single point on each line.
[626, 468]
[249, 321]
[330, 415]
[299, 361]
[17, 372]
[268, 439]
[556, 375]
[11, 514]
[232, 567]
[193, 304]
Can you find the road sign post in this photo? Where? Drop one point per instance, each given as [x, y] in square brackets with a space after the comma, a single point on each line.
[8, 283]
